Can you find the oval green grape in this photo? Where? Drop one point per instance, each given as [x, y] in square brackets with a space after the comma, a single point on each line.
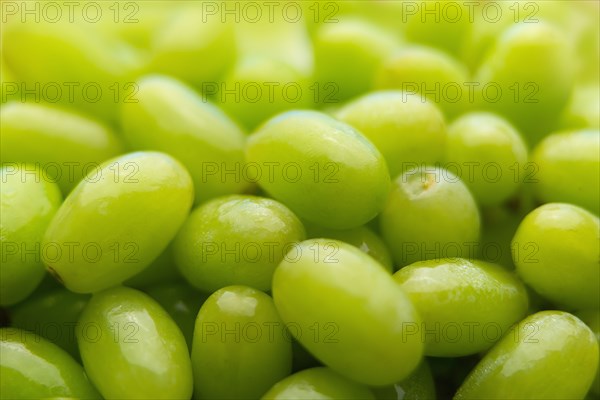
[27, 204]
[131, 348]
[347, 311]
[465, 305]
[33, 368]
[548, 355]
[117, 221]
[430, 214]
[308, 161]
[240, 345]
[235, 240]
[556, 250]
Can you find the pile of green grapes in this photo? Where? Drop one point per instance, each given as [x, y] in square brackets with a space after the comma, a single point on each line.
[300, 200]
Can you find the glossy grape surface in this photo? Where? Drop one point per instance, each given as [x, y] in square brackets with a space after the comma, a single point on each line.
[362, 334]
[466, 306]
[131, 348]
[556, 251]
[240, 345]
[116, 222]
[309, 161]
[430, 214]
[34, 368]
[235, 240]
[530, 362]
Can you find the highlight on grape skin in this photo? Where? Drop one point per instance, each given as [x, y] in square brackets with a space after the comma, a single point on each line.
[300, 200]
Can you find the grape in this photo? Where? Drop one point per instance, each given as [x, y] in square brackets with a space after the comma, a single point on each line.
[183, 46]
[459, 300]
[429, 214]
[8, 87]
[568, 169]
[318, 384]
[235, 240]
[65, 146]
[347, 311]
[117, 221]
[523, 364]
[362, 238]
[407, 130]
[430, 73]
[27, 204]
[418, 386]
[52, 315]
[240, 345]
[182, 302]
[171, 117]
[308, 161]
[33, 368]
[131, 348]
[528, 77]
[556, 251]
[496, 151]
[81, 68]
[348, 54]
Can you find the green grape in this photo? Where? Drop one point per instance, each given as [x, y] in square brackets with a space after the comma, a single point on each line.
[319, 383]
[407, 130]
[182, 302]
[430, 214]
[556, 250]
[53, 316]
[81, 68]
[171, 117]
[235, 240]
[355, 43]
[240, 345]
[592, 320]
[548, 355]
[583, 110]
[417, 386]
[161, 270]
[494, 149]
[33, 368]
[568, 169]
[466, 306]
[63, 145]
[308, 161]
[117, 221]
[430, 73]
[528, 77]
[259, 87]
[361, 237]
[347, 311]
[184, 45]
[27, 205]
[445, 24]
[131, 348]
